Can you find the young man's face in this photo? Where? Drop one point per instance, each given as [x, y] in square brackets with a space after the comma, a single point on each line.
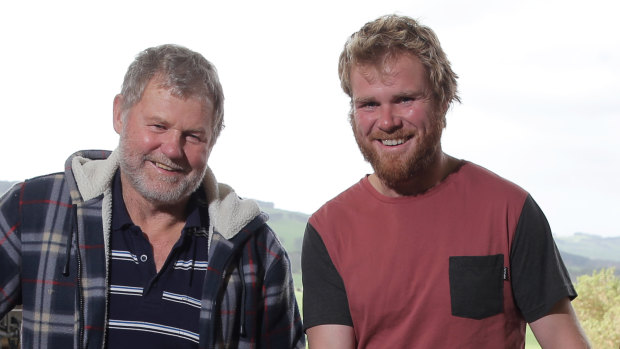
[165, 142]
[393, 118]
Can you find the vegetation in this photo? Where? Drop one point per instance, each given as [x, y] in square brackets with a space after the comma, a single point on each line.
[598, 307]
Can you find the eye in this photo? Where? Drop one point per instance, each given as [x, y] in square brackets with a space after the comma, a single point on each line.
[158, 126]
[405, 99]
[367, 105]
[194, 138]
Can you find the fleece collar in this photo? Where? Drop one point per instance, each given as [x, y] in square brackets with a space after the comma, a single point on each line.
[228, 213]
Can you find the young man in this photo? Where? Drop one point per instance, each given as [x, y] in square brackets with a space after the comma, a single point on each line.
[142, 247]
[429, 251]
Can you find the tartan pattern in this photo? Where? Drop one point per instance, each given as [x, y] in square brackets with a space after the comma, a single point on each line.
[271, 313]
[42, 217]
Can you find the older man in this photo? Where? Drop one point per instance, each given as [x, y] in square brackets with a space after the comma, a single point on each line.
[142, 247]
[429, 251]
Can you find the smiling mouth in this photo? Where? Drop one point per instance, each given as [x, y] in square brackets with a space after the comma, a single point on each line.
[165, 167]
[393, 142]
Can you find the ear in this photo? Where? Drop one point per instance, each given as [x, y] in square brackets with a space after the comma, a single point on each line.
[117, 111]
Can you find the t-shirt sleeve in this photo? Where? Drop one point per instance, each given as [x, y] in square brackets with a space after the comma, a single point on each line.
[324, 296]
[539, 277]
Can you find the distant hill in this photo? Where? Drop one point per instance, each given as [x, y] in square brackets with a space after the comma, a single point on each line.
[579, 265]
[591, 246]
[584, 253]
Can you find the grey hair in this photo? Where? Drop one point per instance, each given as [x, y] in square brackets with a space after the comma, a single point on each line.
[187, 74]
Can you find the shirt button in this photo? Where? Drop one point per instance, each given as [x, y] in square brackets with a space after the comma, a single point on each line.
[143, 258]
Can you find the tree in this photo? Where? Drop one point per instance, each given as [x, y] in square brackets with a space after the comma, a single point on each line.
[598, 307]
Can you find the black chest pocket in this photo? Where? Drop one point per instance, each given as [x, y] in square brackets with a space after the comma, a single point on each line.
[476, 286]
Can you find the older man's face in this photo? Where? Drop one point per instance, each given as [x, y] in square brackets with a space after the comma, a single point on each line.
[165, 142]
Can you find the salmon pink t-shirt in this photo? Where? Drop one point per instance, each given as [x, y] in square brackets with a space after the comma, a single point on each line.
[465, 264]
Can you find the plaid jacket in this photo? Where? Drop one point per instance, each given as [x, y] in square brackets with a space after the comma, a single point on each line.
[54, 253]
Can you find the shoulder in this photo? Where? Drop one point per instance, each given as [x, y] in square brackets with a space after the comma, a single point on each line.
[38, 187]
[258, 236]
[344, 202]
[43, 187]
[262, 251]
[485, 182]
[267, 236]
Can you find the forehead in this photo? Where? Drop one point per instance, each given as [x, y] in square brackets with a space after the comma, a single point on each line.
[157, 93]
[402, 69]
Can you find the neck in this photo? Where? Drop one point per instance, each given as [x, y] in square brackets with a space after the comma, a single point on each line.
[418, 183]
[161, 224]
[155, 219]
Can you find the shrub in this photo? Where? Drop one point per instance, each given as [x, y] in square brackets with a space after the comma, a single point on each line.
[598, 307]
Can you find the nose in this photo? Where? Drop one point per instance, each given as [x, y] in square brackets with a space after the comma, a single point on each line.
[172, 145]
[388, 119]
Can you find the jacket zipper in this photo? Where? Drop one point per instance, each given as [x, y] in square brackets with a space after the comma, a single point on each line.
[79, 285]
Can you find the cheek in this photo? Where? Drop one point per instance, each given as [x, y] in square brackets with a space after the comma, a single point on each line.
[141, 144]
[422, 117]
[136, 136]
[197, 157]
[362, 124]
[149, 141]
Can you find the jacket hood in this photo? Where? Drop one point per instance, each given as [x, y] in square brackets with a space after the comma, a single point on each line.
[91, 173]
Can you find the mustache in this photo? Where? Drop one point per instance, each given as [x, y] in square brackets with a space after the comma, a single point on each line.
[398, 134]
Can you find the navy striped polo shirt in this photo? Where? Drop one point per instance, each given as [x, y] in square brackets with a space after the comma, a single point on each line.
[149, 309]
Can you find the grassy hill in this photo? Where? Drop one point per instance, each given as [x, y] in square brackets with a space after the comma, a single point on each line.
[579, 265]
[591, 246]
[585, 253]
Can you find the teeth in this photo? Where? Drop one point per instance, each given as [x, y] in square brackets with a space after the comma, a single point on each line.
[392, 141]
[162, 166]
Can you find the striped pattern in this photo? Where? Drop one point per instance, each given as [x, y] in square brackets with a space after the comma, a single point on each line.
[190, 264]
[124, 256]
[168, 302]
[179, 298]
[153, 328]
[126, 290]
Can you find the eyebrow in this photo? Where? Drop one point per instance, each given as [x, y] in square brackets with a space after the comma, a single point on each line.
[161, 120]
[200, 131]
[410, 93]
[364, 100]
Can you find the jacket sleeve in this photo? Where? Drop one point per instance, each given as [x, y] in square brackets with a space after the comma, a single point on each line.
[281, 325]
[10, 250]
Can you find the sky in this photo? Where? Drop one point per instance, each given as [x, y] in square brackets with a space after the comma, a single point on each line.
[539, 83]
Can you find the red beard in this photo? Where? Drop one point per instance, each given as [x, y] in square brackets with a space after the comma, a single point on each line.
[394, 170]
